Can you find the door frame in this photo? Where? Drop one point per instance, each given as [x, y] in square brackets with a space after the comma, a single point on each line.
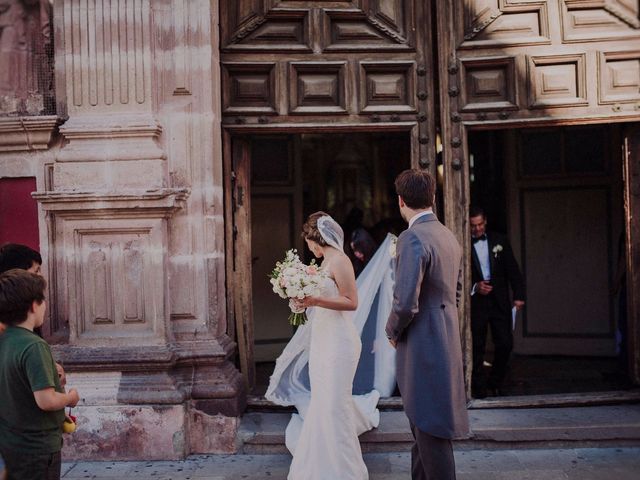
[238, 219]
[631, 167]
[457, 201]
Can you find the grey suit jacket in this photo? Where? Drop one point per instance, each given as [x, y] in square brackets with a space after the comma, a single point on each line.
[424, 323]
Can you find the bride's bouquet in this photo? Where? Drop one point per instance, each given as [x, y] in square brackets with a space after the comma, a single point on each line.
[294, 280]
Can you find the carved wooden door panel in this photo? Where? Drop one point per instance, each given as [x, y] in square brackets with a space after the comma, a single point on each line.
[524, 59]
[341, 62]
[506, 63]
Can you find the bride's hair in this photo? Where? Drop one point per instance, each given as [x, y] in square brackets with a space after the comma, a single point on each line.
[310, 229]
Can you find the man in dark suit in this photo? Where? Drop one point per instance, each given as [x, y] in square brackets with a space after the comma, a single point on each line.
[494, 270]
[423, 326]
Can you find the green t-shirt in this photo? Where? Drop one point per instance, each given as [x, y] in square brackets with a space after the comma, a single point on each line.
[26, 366]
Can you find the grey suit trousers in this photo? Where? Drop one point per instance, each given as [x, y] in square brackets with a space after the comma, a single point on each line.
[431, 457]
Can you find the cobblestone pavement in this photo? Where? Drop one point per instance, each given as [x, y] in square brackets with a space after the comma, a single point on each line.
[530, 464]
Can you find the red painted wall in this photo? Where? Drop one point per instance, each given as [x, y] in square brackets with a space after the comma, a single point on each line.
[19, 212]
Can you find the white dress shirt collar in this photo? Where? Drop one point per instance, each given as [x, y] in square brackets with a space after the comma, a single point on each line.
[420, 215]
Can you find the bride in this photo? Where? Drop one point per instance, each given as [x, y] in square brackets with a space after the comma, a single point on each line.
[317, 368]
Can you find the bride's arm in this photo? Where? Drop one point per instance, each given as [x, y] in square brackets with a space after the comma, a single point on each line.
[347, 298]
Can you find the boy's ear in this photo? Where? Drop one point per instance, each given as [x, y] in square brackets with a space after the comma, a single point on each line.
[34, 306]
[401, 202]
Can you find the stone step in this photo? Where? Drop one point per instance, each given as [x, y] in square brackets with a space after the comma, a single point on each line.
[616, 425]
[257, 403]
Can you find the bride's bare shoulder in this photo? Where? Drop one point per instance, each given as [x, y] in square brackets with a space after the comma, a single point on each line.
[338, 264]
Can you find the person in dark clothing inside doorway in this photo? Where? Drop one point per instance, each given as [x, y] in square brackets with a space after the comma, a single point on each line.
[364, 247]
[494, 270]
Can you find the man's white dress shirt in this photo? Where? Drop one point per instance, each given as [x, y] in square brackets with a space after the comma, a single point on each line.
[482, 251]
[420, 215]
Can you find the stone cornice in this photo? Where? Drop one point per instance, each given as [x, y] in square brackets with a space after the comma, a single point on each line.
[26, 133]
[111, 126]
[158, 202]
[123, 358]
[128, 136]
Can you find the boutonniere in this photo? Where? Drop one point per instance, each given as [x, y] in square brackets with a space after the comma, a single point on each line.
[497, 249]
[393, 247]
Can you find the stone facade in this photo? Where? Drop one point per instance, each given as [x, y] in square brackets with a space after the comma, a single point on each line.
[131, 221]
[127, 154]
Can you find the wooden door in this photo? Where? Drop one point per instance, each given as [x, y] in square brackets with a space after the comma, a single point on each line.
[319, 66]
[524, 63]
[565, 214]
[632, 237]
[354, 64]
[239, 268]
[276, 222]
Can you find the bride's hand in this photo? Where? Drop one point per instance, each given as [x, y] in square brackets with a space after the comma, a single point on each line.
[307, 302]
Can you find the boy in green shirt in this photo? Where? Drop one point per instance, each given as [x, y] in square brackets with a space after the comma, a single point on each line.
[31, 397]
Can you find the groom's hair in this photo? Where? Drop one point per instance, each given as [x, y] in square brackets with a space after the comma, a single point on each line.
[417, 188]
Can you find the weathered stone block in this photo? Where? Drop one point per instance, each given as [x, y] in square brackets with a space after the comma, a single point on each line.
[212, 433]
[127, 432]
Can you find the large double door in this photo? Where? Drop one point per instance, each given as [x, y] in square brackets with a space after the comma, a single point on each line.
[311, 67]
[433, 69]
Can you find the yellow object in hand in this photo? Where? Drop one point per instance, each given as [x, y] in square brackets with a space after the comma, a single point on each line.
[69, 426]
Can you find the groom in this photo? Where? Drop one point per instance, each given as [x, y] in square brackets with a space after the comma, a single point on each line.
[423, 326]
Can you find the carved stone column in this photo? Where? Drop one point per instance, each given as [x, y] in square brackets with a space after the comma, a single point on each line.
[135, 217]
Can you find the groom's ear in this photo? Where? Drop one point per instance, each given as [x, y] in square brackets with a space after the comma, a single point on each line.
[401, 202]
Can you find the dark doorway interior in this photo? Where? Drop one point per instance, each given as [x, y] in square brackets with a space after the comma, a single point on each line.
[557, 195]
[349, 176]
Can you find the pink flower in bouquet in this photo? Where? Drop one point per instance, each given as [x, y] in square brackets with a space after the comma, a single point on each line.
[312, 270]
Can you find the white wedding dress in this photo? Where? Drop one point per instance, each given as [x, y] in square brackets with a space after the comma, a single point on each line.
[327, 446]
[315, 373]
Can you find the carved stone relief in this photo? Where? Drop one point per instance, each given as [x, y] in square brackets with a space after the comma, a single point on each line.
[26, 58]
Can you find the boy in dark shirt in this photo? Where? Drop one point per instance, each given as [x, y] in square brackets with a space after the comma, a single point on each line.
[31, 396]
[15, 255]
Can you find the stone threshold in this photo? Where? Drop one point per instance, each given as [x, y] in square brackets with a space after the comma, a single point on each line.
[259, 403]
[617, 425]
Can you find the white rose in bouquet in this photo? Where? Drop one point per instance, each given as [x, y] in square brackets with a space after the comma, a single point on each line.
[294, 280]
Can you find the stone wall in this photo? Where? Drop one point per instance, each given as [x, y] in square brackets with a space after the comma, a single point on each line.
[132, 227]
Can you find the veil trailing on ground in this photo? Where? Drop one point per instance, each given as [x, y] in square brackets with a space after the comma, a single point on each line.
[375, 376]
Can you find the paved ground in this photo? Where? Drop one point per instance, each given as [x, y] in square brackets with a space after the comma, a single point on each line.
[531, 464]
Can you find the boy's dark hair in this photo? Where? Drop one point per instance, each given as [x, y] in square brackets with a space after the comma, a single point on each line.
[14, 255]
[18, 290]
[310, 229]
[476, 211]
[417, 188]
